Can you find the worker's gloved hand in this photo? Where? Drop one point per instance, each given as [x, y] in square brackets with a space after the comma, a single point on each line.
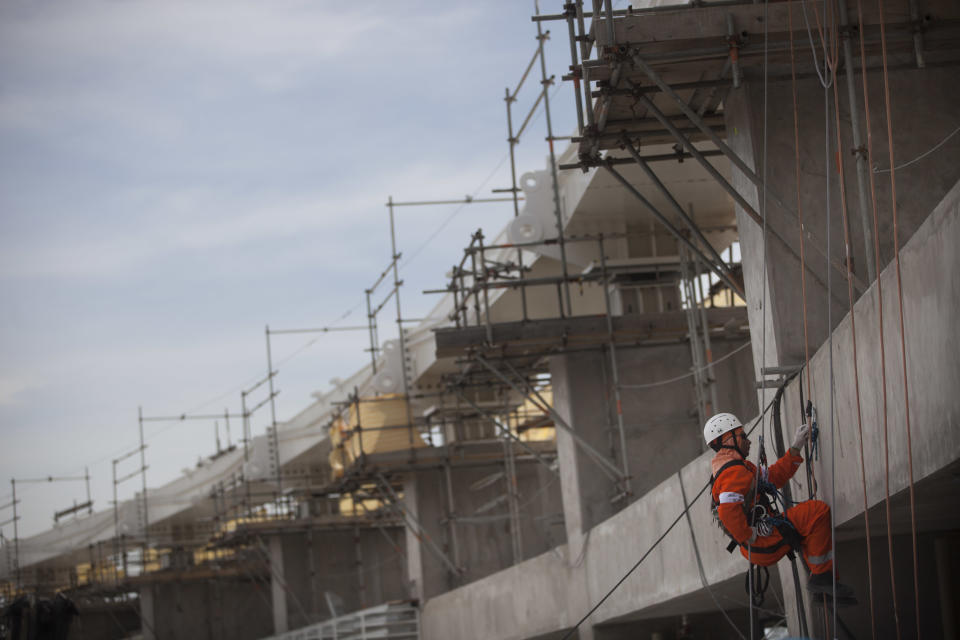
[764, 527]
[801, 437]
[753, 535]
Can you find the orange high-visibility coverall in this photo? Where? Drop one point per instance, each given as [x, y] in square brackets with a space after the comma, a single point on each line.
[735, 493]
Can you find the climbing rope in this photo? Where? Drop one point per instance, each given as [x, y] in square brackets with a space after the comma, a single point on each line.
[903, 345]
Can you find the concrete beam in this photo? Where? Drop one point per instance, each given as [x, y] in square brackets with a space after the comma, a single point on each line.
[580, 331]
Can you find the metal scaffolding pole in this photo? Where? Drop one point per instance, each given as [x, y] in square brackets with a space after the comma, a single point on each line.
[395, 257]
[16, 535]
[547, 82]
[274, 436]
[451, 513]
[614, 368]
[696, 354]
[859, 148]
[512, 142]
[143, 475]
[709, 374]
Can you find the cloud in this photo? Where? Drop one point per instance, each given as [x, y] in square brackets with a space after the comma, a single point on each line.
[13, 385]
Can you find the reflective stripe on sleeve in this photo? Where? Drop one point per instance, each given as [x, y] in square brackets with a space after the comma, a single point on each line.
[730, 496]
[820, 559]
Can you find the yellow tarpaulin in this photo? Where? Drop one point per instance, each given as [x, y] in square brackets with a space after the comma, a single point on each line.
[374, 425]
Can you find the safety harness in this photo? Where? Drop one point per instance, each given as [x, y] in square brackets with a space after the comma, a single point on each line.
[763, 515]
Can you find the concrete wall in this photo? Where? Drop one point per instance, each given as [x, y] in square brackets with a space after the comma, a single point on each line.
[214, 609]
[331, 567]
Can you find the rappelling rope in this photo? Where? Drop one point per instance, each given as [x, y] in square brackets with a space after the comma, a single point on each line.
[903, 345]
[853, 334]
[883, 366]
[764, 310]
[811, 477]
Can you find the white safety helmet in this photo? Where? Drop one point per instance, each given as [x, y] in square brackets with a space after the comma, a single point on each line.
[720, 424]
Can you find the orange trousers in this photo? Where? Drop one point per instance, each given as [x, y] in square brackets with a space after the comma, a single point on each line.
[811, 519]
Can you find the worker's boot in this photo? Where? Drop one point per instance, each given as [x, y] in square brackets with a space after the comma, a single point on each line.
[823, 583]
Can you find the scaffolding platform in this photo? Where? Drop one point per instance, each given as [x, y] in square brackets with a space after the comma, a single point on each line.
[637, 329]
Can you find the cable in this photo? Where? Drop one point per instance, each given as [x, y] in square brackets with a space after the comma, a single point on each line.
[903, 330]
[696, 551]
[443, 225]
[763, 213]
[816, 65]
[921, 156]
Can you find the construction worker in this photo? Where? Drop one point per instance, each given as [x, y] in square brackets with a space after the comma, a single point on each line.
[751, 520]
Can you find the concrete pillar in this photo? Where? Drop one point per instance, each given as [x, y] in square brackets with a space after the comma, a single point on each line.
[580, 398]
[147, 615]
[415, 579]
[278, 593]
[662, 430]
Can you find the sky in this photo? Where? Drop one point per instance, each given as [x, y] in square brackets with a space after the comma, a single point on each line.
[175, 176]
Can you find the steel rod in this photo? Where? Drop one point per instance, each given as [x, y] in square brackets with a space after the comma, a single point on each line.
[371, 319]
[512, 142]
[317, 330]
[707, 153]
[403, 341]
[574, 63]
[708, 347]
[584, 54]
[614, 368]
[467, 200]
[859, 147]
[274, 436]
[546, 82]
[526, 72]
[16, 533]
[619, 13]
[146, 504]
[185, 417]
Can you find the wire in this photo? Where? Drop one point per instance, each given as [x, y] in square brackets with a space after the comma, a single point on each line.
[449, 218]
[687, 375]
[443, 225]
[813, 49]
[921, 156]
[696, 551]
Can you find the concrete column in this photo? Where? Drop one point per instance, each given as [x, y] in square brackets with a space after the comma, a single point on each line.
[147, 614]
[278, 593]
[579, 397]
[415, 578]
